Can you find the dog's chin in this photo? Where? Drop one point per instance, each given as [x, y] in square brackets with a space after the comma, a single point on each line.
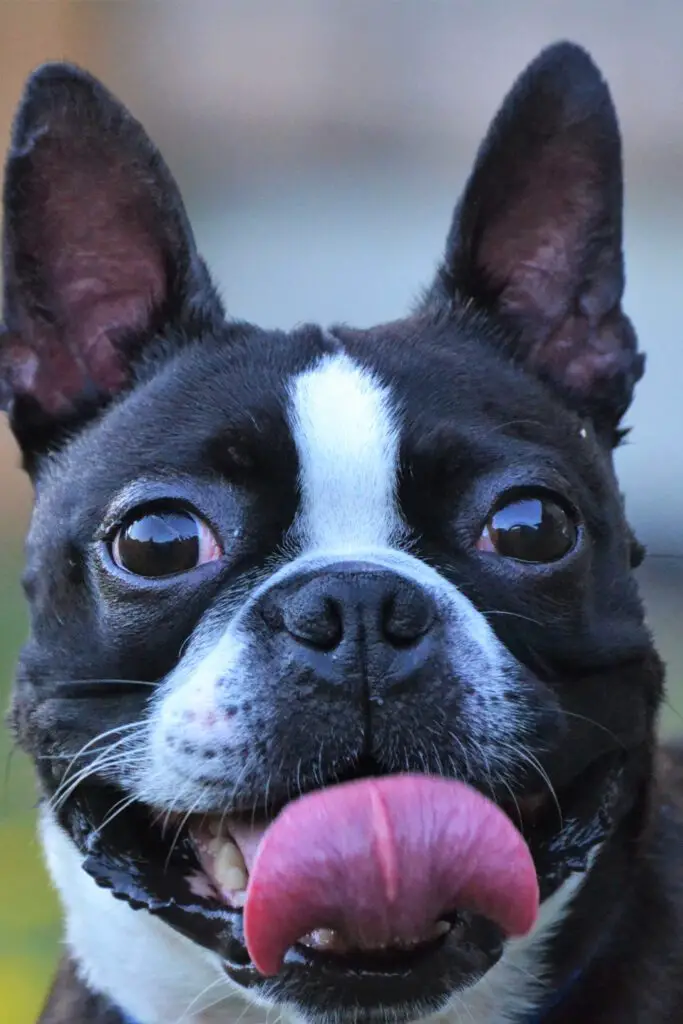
[161, 864]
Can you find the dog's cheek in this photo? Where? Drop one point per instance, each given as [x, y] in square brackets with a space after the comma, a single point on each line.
[17, 717]
[198, 734]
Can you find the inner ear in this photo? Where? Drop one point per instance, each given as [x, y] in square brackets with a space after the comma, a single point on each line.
[536, 240]
[99, 256]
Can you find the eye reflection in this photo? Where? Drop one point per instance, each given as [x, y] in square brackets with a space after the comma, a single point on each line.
[163, 542]
[530, 529]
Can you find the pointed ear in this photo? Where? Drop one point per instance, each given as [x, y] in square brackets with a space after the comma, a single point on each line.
[99, 257]
[537, 237]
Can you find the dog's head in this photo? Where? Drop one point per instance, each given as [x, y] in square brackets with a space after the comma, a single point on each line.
[264, 564]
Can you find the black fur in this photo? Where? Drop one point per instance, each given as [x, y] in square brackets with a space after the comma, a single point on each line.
[118, 366]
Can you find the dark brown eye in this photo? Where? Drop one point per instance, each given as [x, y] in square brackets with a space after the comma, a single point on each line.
[164, 542]
[532, 529]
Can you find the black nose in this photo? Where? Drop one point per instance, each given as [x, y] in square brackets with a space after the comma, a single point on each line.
[354, 619]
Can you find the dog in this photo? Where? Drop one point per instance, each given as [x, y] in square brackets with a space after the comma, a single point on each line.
[338, 686]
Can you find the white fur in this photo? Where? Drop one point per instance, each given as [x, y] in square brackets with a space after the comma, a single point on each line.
[175, 742]
[345, 430]
[140, 963]
[159, 977]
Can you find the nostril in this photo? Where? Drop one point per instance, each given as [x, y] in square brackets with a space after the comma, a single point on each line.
[318, 623]
[347, 612]
[405, 620]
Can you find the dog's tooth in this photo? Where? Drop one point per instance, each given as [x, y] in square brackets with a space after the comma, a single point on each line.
[229, 867]
[214, 846]
[230, 855]
[234, 880]
[323, 939]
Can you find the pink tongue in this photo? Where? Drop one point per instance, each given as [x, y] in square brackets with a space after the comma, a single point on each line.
[380, 861]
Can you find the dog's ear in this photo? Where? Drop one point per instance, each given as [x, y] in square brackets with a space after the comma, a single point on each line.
[99, 257]
[536, 240]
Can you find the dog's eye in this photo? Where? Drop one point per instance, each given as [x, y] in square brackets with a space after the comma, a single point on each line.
[530, 529]
[163, 542]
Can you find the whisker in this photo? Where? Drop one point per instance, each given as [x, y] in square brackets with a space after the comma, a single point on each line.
[248, 1008]
[512, 615]
[99, 752]
[100, 767]
[465, 754]
[117, 809]
[109, 757]
[162, 817]
[671, 708]
[106, 758]
[591, 721]
[113, 680]
[184, 820]
[532, 760]
[188, 1011]
[502, 780]
[101, 736]
[97, 689]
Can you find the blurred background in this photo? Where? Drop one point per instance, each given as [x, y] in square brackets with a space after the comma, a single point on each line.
[320, 146]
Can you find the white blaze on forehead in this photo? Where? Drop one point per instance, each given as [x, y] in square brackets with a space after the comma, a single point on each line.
[345, 430]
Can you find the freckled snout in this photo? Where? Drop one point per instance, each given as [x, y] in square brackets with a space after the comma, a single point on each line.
[352, 620]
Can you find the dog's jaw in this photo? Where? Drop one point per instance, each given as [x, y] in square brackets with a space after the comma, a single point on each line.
[156, 975]
[145, 967]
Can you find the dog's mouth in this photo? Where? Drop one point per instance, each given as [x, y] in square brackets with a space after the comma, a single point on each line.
[376, 866]
[382, 892]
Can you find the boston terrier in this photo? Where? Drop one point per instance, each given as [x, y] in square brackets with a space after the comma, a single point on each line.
[338, 686]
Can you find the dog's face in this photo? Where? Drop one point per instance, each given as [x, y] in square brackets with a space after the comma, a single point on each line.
[265, 564]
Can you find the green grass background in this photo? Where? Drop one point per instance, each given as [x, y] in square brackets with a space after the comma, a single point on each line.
[29, 913]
